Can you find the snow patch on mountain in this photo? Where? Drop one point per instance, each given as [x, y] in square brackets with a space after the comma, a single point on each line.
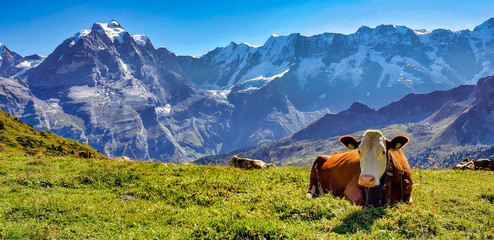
[259, 82]
[163, 111]
[81, 94]
[140, 39]
[265, 70]
[78, 36]
[27, 64]
[309, 68]
[127, 72]
[249, 45]
[348, 68]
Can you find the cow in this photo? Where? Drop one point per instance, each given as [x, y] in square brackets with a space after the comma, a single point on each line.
[249, 163]
[483, 164]
[373, 171]
[466, 164]
[475, 164]
[86, 154]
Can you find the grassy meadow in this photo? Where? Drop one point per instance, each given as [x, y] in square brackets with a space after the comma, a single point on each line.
[60, 197]
[17, 137]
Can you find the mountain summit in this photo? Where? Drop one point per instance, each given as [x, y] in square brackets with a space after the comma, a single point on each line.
[118, 93]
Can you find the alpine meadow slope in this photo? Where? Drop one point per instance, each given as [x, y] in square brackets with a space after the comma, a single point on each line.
[19, 138]
[121, 95]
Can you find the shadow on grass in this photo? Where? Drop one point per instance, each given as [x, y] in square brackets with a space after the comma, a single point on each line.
[362, 219]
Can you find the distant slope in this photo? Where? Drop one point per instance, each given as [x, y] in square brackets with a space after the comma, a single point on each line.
[443, 126]
[21, 138]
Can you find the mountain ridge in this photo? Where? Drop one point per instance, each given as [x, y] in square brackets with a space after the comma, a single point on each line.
[440, 125]
[120, 94]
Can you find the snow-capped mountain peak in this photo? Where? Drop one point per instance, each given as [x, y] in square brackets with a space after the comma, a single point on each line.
[8, 61]
[112, 29]
[141, 39]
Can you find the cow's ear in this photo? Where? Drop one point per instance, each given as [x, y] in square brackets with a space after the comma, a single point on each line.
[397, 142]
[349, 142]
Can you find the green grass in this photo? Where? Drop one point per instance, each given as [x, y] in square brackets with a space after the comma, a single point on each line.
[50, 197]
[17, 137]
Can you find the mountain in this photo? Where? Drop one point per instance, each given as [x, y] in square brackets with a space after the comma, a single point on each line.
[121, 95]
[374, 66]
[13, 65]
[439, 125]
[26, 64]
[8, 61]
[21, 138]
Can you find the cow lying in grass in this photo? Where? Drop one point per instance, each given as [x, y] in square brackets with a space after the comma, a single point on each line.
[475, 164]
[466, 164]
[249, 163]
[374, 171]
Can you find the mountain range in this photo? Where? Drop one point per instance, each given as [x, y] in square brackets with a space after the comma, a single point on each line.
[441, 126]
[120, 94]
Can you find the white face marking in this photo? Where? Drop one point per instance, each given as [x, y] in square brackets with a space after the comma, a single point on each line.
[372, 150]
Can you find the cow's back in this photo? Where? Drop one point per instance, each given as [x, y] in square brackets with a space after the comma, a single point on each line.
[334, 173]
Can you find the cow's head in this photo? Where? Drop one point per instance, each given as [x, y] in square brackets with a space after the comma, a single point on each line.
[373, 152]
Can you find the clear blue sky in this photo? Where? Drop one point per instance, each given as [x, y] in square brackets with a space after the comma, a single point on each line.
[196, 27]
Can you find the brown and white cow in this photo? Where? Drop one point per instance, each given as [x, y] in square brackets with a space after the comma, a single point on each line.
[374, 171]
[475, 164]
[249, 163]
[464, 165]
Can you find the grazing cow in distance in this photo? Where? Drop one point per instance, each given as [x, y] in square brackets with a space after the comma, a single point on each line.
[86, 154]
[249, 163]
[475, 164]
[374, 171]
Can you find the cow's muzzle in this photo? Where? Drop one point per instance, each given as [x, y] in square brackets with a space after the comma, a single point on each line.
[367, 181]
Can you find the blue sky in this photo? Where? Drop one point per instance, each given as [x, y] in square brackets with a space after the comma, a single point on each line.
[196, 27]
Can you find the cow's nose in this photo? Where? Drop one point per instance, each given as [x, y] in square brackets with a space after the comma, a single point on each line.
[367, 181]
